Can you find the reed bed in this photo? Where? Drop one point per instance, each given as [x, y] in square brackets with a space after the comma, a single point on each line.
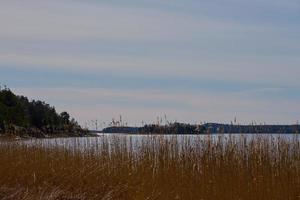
[233, 168]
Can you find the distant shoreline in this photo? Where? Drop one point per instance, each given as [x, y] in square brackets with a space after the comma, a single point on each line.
[209, 128]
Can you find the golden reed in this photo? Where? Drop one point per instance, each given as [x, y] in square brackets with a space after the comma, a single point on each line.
[233, 168]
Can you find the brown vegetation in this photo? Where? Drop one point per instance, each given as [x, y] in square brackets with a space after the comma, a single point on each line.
[233, 168]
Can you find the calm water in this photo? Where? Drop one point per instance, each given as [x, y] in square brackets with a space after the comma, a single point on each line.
[135, 141]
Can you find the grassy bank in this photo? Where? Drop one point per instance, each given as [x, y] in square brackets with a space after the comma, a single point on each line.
[230, 168]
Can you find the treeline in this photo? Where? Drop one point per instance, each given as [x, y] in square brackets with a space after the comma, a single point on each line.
[208, 128]
[172, 128]
[230, 128]
[20, 116]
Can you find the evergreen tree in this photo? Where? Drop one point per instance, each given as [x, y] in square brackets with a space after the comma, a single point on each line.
[19, 111]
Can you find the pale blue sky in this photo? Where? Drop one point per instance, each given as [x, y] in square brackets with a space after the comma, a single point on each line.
[192, 60]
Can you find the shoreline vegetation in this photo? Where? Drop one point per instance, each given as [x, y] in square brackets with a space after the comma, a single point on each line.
[22, 118]
[228, 169]
[208, 128]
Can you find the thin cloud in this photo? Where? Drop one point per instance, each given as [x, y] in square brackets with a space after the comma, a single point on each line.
[83, 21]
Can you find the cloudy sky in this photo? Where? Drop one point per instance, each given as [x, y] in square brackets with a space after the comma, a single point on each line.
[193, 60]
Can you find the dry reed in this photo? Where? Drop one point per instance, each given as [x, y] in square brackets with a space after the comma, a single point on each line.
[156, 168]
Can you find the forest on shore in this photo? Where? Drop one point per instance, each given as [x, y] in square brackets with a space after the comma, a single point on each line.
[33, 118]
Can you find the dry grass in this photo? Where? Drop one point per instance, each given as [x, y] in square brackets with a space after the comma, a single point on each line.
[204, 169]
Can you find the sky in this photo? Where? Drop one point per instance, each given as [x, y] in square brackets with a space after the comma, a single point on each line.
[193, 61]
